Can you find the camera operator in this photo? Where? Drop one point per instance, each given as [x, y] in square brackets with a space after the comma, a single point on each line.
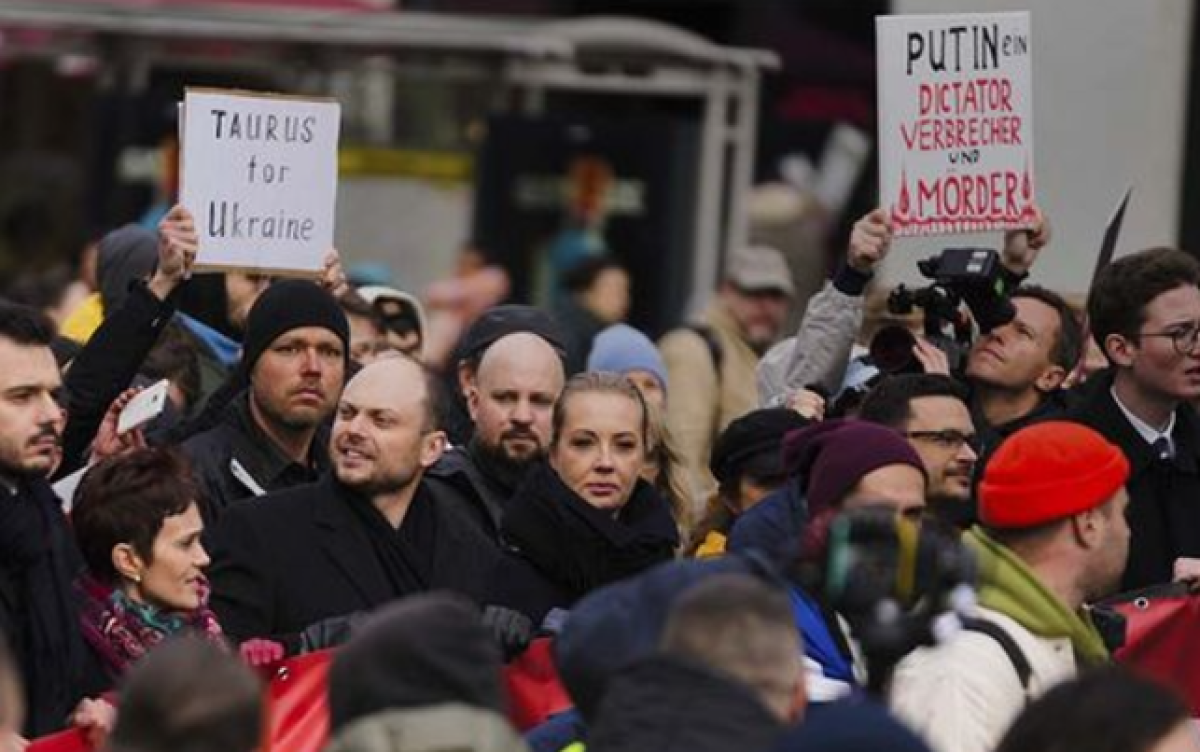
[1053, 538]
[1016, 371]
[1013, 371]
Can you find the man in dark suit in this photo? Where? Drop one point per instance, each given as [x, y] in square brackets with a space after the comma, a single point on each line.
[1145, 313]
[292, 563]
[38, 557]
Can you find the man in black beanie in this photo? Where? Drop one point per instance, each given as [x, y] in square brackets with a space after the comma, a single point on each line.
[273, 436]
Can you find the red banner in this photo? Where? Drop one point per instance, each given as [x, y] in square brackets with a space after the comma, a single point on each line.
[297, 709]
[1160, 638]
[298, 701]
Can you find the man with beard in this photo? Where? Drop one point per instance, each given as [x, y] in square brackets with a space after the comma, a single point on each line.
[1052, 538]
[711, 363]
[510, 396]
[931, 411]
[271, 437]
[288, 567]
[38, 558]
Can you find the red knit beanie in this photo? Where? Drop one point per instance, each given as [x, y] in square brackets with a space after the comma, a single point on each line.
[1049, 471]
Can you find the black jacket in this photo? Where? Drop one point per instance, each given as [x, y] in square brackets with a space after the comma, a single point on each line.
[559, 548]
[106, 366]
[235, 460]
[461, 479]
[1052, 406]
[288, 560]
[666, 704]
[1164, 495]
[39, 619]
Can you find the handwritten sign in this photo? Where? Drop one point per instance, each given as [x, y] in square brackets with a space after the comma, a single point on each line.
[259, 173]
[955, 122]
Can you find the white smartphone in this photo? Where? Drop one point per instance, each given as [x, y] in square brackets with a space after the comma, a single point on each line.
[143, 408]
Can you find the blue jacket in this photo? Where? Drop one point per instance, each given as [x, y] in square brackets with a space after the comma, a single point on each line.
[773, 526]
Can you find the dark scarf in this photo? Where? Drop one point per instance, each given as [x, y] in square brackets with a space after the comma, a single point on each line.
[122, 631]
[503, 474]
[39, 558]
[405, 555]
[581, 547]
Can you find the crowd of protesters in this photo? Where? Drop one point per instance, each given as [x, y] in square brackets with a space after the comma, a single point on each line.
[428, 496]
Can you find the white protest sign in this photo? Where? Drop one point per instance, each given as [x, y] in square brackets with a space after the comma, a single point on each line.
[259, 173]
[955, 122]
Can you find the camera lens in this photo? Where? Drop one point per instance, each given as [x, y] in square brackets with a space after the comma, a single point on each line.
[892, 350]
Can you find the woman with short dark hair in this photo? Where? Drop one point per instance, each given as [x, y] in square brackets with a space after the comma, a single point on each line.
[138, 526]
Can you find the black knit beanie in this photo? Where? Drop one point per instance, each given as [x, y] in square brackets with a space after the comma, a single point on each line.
[286, 305]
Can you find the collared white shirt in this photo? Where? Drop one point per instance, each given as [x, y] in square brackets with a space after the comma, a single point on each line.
[1144, 429]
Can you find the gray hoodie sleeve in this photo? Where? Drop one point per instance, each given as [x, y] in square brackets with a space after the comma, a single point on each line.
[820, 350]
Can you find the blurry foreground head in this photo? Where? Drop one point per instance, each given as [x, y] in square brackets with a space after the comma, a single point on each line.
[852, 727]
[1107, 710]
[742, 628]
[189, 695]
[429, 649]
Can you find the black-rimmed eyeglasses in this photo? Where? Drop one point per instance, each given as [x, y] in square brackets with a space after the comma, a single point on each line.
[1184, 338]
[948, 438]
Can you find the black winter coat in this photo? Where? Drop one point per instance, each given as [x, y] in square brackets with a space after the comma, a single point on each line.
[666, 704]
[461, 479]
[39, 618]
[106, 366]
[1164, 495]
[235, 460]
[559, 548]
[288, 560]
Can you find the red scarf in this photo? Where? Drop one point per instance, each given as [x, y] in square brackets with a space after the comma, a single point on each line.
[122, 630]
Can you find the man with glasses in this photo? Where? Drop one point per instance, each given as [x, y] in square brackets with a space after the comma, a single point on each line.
[931, 411]
[1145, 315]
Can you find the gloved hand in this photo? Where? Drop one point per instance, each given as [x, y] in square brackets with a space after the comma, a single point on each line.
[512, 630]
[331, 632]
[259, 653]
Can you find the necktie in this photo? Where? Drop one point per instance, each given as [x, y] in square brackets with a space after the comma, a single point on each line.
[1162, 448]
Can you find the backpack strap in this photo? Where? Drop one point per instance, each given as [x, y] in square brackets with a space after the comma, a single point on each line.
[715, 351]
[1015, 655]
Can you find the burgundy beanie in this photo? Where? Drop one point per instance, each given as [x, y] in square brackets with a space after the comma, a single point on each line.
[834, 455]
[1049, 471]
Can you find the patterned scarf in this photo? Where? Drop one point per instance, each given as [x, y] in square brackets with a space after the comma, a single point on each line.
[122, 630]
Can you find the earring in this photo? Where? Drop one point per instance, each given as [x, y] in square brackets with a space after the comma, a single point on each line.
[137, 578]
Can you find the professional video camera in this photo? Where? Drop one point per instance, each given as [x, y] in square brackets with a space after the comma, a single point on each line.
[899, 584]
[960, 275]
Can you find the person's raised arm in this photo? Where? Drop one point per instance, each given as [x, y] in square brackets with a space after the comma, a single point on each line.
[107, 364]
[820, 351]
